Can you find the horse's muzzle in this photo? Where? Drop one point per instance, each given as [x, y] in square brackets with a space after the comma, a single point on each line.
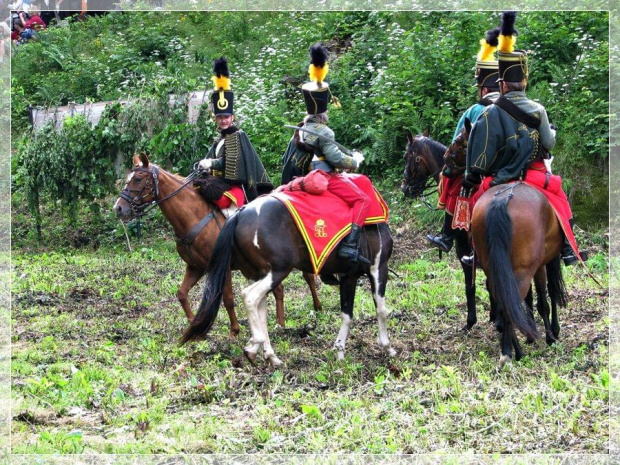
[407, 190]
[123, 210]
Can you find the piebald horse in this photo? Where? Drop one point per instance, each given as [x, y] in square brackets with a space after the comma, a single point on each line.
[263, 242]
[196, 224]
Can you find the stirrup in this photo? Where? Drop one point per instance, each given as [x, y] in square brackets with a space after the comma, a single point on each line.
[468, 259]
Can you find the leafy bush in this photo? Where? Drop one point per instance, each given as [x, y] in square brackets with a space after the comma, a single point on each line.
[392, 72]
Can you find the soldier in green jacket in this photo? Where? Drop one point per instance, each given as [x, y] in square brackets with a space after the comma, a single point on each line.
[488, 91]
[328, 157]
[514, 132]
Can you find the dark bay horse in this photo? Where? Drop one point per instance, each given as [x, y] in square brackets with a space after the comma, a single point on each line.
[263, 242]
[424, 160]
[196, 224]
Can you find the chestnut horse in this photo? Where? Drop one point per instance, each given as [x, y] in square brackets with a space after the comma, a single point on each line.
[262, 241]
[424, 160]
[196, 224]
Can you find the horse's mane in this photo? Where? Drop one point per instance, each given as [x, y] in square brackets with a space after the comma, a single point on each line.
[434, 145]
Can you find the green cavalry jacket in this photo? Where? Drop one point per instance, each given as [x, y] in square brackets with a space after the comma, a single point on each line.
[501, 146]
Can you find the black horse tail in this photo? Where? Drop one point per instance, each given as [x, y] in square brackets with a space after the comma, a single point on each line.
[498, 236]
[214, 283]
[555, 283]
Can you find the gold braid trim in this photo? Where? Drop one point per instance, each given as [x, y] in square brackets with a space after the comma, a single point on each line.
[232, 149]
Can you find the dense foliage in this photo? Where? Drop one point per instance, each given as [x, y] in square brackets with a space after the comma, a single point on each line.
[392, 72]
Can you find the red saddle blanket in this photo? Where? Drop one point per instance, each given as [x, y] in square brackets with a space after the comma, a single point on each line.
[324, 220]
[449, 190]
[551, 187]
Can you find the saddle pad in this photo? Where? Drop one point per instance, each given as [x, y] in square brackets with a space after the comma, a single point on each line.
[552, 189]
[324, 220]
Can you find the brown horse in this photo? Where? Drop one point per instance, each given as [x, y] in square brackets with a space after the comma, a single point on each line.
[517, 238]
[263, 242]
[424, 160]
[196, 224]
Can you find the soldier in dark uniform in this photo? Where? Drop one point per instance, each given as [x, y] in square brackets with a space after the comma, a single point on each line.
[232, 156]
[328, 157]
[513, 134]
[488, 91]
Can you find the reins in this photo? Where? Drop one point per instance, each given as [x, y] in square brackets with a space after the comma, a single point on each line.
[421, 189]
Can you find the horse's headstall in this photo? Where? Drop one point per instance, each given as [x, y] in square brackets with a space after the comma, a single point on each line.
[136, 197]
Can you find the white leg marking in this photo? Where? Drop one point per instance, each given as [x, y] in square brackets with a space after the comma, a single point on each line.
[270, 354]
[341, 340]
[252, 297]
[384, 340]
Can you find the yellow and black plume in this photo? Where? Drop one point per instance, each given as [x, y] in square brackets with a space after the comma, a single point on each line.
[507, 33]
[318, 63]
[488, 45]
[221, 75]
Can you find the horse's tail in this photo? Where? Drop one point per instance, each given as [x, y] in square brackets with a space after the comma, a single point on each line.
[214, 283]
[555, 283]
[498, 236]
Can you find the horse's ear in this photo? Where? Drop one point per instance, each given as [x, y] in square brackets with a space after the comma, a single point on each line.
[467, 126]
[426, 133]
[409, 136]
[136, 160]
[144, 159]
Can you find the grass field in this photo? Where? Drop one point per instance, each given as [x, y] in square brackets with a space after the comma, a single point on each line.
[96, 365]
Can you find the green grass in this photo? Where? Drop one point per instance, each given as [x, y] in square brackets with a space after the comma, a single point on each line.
[96, 367]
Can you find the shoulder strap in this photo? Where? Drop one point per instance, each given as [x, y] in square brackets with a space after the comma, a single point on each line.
[517, 113]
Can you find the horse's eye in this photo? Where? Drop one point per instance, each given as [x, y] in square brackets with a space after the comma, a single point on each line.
[137, 180]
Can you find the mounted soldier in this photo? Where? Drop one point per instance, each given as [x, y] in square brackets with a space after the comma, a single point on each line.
[511, 139]
[232, 157]
[316, 139]
[452, 175]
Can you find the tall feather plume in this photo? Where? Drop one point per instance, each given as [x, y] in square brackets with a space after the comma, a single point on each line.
[488, 45]
[221, 75]
[507, 34]
[318, 63]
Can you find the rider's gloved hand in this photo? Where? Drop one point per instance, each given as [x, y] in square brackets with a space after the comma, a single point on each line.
[205, 164]
[553, 129]
[358, 157]
[470, 181]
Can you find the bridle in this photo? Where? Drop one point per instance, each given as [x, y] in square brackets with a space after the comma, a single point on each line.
[136, 197]
[422, 184]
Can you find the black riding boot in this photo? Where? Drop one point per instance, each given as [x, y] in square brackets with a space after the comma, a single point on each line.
[445, 239]
[350, 245]
[567, 254]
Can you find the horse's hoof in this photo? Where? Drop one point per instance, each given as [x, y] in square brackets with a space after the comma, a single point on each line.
[468, 327]
[275, 361]
[503, 360]
[250, 356]
[390, 352]
[341, 355]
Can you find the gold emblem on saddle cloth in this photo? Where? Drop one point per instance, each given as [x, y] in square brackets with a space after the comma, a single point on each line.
[319, 228]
